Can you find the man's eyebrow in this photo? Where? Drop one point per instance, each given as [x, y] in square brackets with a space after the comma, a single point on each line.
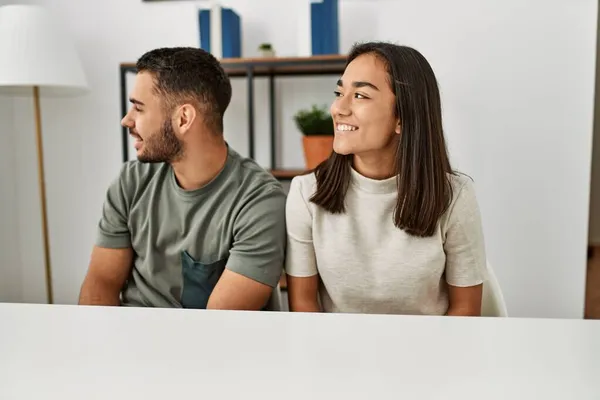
[135, 101]
[359, 84]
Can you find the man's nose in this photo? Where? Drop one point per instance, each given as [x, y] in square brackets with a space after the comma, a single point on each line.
[126, 121]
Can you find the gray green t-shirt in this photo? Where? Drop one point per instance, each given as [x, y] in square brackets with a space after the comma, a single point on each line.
[183, 240]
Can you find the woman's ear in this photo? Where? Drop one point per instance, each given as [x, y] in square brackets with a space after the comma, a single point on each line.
[398, 128]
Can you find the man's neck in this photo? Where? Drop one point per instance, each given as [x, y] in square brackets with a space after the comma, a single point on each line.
[200, 164]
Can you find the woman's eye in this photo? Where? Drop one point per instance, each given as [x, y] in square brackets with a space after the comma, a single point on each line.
[359, 96]
[337, 93]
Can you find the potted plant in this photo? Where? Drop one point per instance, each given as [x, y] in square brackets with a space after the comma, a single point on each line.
[316, 126]
[266, 49]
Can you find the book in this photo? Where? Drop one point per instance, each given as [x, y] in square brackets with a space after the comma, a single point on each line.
[220, 32]
[324, 27]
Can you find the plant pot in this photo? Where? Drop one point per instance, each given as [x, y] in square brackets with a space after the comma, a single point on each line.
[267, 53]
[317, 148]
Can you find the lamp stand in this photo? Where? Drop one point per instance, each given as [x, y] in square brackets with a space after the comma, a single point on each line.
[42, 189]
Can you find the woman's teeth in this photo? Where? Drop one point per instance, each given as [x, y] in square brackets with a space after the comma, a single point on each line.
[344, 127]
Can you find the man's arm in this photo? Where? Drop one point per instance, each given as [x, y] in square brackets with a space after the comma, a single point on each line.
[256, 259]
[112, 256]
[237, 292]
[107, 273]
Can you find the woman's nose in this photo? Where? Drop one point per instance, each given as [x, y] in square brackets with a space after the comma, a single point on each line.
[340, 107]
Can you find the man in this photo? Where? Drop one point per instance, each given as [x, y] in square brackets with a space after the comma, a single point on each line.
[191, 223]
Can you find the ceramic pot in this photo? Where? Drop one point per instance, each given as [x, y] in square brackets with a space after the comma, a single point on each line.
[316, 149]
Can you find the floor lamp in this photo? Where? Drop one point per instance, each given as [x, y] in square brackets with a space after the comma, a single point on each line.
[38, 58]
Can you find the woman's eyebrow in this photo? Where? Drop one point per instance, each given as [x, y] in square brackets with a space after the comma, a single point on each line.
[358, 84]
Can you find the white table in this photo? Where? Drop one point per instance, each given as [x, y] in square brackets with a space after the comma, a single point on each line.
[81, 353]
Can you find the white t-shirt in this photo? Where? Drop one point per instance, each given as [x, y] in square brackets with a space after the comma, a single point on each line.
[367, 265]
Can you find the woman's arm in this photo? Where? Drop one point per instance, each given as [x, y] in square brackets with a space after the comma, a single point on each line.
[300, 260]
[465, 301]
[303, 293]
[465, 254]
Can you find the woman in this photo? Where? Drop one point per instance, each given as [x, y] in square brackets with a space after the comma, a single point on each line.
[384, 225]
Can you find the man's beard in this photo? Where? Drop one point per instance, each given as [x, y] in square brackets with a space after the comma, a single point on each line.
[163, 146]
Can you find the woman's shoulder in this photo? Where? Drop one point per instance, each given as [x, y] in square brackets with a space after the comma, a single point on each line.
[305, 184]
[463, 192]
[301, 189]
[460, 181]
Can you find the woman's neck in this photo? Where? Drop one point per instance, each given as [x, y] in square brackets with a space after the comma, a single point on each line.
[376, 165]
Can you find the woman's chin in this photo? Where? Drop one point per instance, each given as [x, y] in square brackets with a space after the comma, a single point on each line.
[341, 152]
[341, 148]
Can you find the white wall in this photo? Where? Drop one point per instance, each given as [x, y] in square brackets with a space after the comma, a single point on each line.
[10, 264]
[517, 79]
[594, 217]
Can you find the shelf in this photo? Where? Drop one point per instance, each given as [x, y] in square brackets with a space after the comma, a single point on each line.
[286, 174]
[278, 66]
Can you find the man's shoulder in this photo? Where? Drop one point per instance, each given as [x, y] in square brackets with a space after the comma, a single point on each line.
[257, 197]
[135, 177]
[250, 177]
[134, 171]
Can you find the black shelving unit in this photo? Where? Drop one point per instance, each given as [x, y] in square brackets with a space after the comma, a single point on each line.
[251, 68]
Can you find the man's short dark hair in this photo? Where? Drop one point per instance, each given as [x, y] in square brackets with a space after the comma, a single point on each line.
[184, 74]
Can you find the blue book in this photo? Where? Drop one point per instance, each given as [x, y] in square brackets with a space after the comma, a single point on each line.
[231, 32]
[316, 27]
[204, 21]
[324, 27]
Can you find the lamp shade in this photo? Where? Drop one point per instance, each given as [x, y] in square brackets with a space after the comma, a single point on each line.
[35, 51]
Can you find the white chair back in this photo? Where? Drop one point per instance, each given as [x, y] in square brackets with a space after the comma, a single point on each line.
[493, 304]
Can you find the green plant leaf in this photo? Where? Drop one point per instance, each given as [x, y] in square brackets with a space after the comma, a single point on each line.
[314, 121]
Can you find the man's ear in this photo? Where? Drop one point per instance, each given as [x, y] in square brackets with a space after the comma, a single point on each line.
[184, 118]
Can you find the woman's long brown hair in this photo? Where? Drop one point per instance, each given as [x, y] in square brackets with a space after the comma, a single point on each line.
[422, 163]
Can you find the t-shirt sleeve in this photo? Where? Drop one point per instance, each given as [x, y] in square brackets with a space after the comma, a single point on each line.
[464, 242]
[300, 258]
[113, 229]
[258, 250]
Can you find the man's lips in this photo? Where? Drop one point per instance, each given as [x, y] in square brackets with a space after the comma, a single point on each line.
[135, 135]
[138, 140]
